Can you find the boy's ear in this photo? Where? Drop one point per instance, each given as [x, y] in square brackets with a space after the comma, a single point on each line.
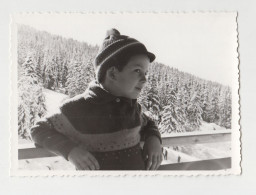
[111, 73]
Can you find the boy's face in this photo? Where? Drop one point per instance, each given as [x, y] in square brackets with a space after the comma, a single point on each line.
[132, 78]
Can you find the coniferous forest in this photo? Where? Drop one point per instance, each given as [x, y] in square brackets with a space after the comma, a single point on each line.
[176, 100]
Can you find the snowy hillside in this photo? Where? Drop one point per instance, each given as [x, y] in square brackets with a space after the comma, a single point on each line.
[210, 126]
[53, 99]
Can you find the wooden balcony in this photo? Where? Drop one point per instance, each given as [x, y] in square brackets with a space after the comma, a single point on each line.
[178, 139]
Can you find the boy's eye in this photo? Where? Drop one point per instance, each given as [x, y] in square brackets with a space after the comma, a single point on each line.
[137, 70]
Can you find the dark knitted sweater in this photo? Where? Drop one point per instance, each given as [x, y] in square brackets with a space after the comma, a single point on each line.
[109, 127]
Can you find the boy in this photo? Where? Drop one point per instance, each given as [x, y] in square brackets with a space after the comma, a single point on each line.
[102, 128]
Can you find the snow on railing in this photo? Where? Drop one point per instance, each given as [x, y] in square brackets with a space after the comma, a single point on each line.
[29, 152]
[197, 137]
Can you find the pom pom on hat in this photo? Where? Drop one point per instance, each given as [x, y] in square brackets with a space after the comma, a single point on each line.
[112, 32]
[113, 45]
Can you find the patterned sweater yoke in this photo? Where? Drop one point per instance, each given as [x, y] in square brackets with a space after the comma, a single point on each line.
[100, 142]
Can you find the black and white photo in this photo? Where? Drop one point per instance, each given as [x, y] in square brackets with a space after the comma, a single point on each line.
[138, 93]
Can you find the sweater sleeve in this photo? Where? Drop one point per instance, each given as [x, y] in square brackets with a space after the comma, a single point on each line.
[149, 128]
[44, 135]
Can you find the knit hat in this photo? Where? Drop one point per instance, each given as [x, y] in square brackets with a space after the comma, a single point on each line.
[116, 44]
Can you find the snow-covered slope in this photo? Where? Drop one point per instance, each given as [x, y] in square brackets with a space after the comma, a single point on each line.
[53, 99]
[210, 126]
[176, 156]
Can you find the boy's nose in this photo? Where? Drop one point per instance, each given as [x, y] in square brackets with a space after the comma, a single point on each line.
[143, 78]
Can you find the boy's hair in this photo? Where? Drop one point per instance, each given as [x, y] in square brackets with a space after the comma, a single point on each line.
[116, 51]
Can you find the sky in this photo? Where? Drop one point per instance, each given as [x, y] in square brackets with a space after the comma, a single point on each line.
[203, 44]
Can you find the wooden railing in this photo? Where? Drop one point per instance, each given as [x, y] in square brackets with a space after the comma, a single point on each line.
[178, 139]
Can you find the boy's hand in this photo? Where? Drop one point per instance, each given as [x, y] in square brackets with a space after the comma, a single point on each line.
[82, 159]
[152, 152]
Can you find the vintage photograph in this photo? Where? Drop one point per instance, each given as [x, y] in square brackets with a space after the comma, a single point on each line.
[124, 93]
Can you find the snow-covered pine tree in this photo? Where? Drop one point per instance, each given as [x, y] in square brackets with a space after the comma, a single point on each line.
[209, 111]
[194, 112]
[71, 81]
[153, 104]
[228, 109]
[64, 78]
[166, 85]
[215, 104]
[89, 72]
[182, 98]
[163, 90]
[204, 102]
[39, 64]
[221, 105]
[49, 71]
[31, 102]
[181, 104]
[172, 116]
[76, 77]
[225, 108]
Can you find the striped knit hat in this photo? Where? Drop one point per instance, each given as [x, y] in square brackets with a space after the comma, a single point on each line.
[115, 44]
